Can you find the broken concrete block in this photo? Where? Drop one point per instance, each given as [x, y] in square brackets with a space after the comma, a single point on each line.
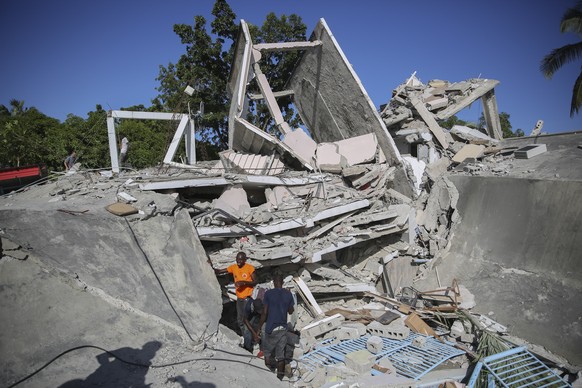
[467, 298]
[360, 361]
[385, 366]
[323, 326]
[422, 151]
[467, 338]
[358, 149]
[328, 157]
[471, 135]
[344, 333]
[354, 171]
[419, 342]
[374, 344]
[395, 331]
[433, 247]
[393, 197]
[437, 103]
[123, 196]
[336, 373]
[301, 143]
[233, 200]
[530, 151]
[276, 196]
[490, 324]
[437, 168]
[457, 329]
[359, 327]
[8, 245]
[473, 151]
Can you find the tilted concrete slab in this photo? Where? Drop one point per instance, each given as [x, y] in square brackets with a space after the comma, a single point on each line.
[117, 259]
[332, 109]
[244, 180]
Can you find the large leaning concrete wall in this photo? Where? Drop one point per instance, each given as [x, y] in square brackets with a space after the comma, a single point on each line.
[330, 98]
[518, 250]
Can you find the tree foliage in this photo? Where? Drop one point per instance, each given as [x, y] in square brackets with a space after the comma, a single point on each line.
[505, 125]
[571, 22]
[23, 134]
[206, 64]
[277, 67]
[451, 122]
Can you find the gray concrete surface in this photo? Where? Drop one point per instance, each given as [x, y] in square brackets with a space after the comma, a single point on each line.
[83, 279]
[518, 246]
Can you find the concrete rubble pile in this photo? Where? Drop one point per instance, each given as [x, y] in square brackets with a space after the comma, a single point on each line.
[357, 209]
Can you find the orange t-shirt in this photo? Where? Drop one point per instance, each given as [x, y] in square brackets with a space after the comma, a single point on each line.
[239, 274]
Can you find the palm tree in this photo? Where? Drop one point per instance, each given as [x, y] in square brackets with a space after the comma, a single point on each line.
[571, 22]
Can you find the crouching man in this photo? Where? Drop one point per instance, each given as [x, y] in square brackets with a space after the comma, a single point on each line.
[277, 303]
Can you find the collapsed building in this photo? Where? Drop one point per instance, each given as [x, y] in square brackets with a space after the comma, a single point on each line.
[406, 244]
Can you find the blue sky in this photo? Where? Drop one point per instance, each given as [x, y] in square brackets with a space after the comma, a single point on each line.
[66, 56]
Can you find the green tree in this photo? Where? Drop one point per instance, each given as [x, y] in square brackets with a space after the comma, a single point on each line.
[277, 67]
[571, 22]
[23, 134]
[207, 63]
[452, 121]
[505, 125]
[205, 67]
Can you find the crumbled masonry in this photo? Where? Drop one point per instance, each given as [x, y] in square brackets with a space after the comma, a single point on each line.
[405, 244]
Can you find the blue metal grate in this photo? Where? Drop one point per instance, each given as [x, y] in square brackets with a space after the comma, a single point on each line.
[408, 359]
[517, 368]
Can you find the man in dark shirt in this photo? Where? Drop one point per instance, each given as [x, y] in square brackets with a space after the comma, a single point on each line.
[251, 319]
[278, 302]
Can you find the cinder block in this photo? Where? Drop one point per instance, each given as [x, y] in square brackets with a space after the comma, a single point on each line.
[344, 333]
[360, 327]
[323, 326]
[419, 342]
[374, 344]
[360, 361]
[388, 331]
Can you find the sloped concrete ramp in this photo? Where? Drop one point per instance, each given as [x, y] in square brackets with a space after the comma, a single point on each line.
[518, 249]
[94, 278]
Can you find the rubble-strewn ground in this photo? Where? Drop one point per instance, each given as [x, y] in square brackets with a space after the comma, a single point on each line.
[78, 280]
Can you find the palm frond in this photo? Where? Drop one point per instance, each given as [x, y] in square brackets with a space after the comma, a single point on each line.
[576, 96]
[560, 56]
[572, 21]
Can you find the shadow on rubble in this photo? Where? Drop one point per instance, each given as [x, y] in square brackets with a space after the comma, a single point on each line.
[195, 384]
[128, 368]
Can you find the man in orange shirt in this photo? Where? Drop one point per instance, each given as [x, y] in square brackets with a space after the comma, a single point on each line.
[245, 280]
